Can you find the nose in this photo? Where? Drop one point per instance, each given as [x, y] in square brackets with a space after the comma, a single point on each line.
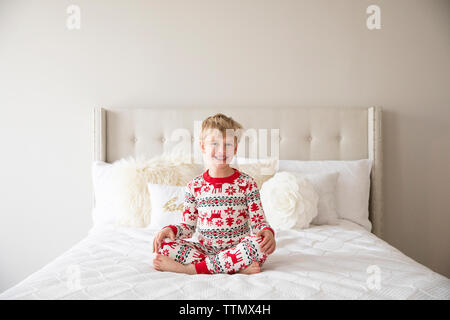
[221, 150]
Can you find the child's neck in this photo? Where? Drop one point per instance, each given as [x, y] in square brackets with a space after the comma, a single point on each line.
[220, 172]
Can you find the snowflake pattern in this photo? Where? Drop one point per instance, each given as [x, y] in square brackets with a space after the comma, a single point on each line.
[229, 211]
[256, 218]
[219, 223]
[230, 190]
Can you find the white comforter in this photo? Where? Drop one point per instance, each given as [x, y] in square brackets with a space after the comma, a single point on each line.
[322, 262]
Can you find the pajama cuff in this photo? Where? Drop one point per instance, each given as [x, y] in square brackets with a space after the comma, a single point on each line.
[174, 229]
[201, 268]
[269, 228]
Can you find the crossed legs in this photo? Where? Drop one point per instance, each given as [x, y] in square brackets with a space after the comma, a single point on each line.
[187, 257]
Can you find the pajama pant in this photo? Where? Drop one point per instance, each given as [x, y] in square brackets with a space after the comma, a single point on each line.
[210, 260]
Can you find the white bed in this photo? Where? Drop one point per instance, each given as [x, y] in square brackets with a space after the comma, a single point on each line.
[322, 262]
[343, 261]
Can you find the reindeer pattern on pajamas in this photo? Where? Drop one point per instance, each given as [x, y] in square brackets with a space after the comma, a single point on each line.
[227, 214]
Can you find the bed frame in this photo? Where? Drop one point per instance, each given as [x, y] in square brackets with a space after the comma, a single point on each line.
[304, 134]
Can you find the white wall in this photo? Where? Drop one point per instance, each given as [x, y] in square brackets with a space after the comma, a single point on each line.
[205, 53]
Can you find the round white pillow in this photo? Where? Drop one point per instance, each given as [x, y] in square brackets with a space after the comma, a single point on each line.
[288, 201]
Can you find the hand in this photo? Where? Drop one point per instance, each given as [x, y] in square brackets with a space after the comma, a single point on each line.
[268, 244]
[160, 236]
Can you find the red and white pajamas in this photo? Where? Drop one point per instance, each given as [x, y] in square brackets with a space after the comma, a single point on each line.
[227, 214]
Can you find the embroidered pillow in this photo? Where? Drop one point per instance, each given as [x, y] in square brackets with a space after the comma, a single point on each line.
[167, 204]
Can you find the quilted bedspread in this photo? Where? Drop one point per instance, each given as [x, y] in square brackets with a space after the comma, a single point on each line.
[322, 262]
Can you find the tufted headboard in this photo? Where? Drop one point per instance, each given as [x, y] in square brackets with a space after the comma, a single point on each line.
[304, 134]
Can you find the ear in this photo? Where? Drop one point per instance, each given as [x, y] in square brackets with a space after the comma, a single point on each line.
[202, 146]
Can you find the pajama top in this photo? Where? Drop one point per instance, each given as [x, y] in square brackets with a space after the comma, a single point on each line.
[223, 210]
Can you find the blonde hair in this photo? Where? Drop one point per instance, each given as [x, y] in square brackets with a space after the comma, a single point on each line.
[221, 122]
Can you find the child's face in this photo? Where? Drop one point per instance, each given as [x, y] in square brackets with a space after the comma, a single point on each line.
[218, 151]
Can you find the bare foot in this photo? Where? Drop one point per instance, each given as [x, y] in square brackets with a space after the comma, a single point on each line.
[164, 263]
[253, 268]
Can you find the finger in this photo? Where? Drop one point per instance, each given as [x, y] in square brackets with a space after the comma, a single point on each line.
[271, 249]
[160, 244]
[264, 239]
[268, 250]
[156, 243]
[264, 247]
[274, 246]
[269, 246]
[264, 242]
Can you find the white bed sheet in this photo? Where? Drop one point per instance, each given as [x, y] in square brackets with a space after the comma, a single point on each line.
[322, 262]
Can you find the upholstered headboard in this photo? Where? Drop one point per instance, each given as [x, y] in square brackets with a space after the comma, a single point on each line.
[304, 134]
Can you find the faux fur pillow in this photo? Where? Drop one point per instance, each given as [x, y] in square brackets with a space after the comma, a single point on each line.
[260, 170]
[131, 177]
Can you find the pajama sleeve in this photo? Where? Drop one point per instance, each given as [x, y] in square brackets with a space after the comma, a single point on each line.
[255, 209]
[186, 228]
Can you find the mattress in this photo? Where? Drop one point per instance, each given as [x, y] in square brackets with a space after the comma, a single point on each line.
[322, 262]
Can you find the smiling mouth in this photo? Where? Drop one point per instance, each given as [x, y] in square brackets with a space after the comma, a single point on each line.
[220, 159]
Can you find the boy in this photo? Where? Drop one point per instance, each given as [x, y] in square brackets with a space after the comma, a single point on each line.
[225, 207]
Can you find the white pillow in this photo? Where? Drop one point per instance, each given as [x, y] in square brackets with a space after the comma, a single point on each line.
[167, 204]
[289, 202]
[352, 189]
